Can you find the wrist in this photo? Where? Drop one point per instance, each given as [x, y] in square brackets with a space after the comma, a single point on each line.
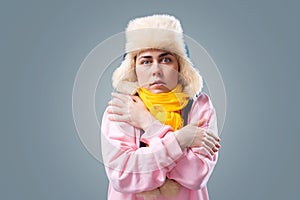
[180, 140]
[147, 121]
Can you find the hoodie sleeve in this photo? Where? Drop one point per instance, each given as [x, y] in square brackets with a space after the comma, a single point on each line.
[131, 168]
[194, 168]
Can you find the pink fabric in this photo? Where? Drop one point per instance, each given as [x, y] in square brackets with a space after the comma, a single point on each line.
[132, 169]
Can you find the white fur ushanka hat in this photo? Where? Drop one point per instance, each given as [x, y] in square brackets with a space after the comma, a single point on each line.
[162, 32]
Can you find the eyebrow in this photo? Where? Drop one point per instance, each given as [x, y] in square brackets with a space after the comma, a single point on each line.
[145, 57]
[164, 54]
[161, 55]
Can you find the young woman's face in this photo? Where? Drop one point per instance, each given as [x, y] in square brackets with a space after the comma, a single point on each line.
[157, 70]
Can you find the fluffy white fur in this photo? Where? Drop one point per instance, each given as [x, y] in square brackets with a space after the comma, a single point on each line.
[155, 32]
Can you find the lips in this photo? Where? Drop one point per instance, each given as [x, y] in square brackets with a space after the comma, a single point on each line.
[158, 82]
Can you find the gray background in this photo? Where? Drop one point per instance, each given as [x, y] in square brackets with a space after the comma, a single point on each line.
[255, 45]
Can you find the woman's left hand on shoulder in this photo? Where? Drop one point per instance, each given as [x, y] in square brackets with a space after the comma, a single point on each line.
[129, 109]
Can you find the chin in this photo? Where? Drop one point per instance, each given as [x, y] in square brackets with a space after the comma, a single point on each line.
[157, 91]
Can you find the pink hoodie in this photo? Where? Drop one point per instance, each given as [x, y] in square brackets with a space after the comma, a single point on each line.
[132, 169]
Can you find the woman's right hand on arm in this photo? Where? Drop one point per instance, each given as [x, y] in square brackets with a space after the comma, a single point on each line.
[192, 135]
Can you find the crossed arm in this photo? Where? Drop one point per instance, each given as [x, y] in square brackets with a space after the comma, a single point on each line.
[193, 147]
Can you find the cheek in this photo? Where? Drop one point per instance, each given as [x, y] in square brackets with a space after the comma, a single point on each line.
[172, 78]
[141, 76]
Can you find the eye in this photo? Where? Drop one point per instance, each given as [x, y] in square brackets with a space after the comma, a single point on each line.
[145, 62]
[166, 60]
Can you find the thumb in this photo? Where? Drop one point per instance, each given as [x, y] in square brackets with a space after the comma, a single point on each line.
[135, 98]
[199, 123]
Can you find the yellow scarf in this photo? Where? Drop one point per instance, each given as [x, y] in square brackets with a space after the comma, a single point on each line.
[166, 107]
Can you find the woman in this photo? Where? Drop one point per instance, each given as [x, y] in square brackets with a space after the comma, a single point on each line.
[148, 152]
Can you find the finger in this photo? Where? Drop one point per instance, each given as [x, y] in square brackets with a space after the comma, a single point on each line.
[208, 149]
[213, 147]
[200, 122]
[213, 144]
[115, 110]
[210, 144]
[118, 118]
[117, 102]
[213, 140]
[123, 97]
[213, 135]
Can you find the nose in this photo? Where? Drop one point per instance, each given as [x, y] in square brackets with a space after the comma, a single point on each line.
[156, 69]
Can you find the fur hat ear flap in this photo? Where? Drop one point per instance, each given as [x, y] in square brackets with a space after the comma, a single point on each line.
[124, 77]
[189, 77]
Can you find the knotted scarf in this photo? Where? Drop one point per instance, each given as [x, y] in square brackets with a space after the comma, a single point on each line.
[166, 107]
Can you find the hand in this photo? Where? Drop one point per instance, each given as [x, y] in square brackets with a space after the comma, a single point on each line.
[170, 188]
[193, 135]
[149, 195]
[129, 109]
